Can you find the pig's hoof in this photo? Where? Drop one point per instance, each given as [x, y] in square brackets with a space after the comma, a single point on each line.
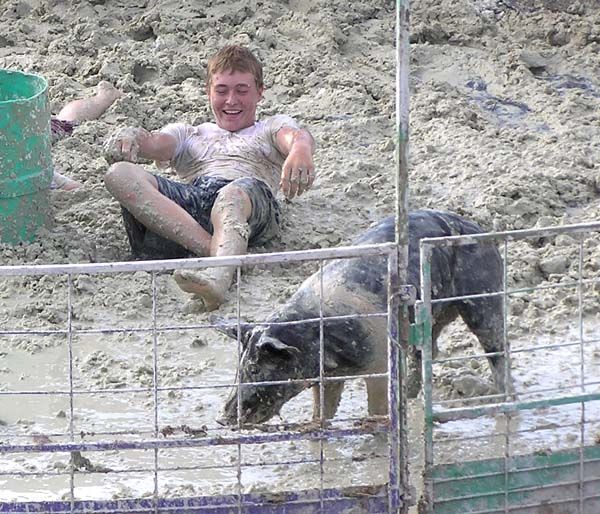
[204, 288]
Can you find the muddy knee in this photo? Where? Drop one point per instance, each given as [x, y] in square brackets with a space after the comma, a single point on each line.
[121, 178]
[232, 202]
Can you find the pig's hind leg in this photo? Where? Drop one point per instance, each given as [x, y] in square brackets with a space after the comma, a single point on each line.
[332, 392]
[377, 396]
[484, 318]
[442, 316]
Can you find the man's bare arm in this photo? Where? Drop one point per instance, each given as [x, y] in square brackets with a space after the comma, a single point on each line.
[133, 143]
[298, 170]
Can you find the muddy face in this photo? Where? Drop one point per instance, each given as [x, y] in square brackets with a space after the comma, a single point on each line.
[265, 359]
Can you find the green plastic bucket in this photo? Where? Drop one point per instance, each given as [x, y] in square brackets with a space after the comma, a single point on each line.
[25, 158]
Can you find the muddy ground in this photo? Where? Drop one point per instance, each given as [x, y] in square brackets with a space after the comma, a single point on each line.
[505, 130]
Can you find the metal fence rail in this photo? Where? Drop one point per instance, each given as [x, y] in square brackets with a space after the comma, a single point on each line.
[535, 451]
[167, 447]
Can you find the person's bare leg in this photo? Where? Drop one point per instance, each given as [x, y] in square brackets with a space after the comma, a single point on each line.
[63, 183]
[229, 217]
[137, 191]
[85, 109]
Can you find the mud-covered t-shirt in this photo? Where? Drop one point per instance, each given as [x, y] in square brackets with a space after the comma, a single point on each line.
[209, 150]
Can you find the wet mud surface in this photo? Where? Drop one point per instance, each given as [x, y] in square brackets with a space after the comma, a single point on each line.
[505, 129]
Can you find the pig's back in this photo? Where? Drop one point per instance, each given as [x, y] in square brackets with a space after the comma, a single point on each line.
[369, 274]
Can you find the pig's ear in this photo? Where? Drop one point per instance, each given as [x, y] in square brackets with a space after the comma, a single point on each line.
[273, 344]
[229, 327]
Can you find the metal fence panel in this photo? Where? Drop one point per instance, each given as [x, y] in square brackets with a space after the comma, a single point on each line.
[91, 441]
[535, 451]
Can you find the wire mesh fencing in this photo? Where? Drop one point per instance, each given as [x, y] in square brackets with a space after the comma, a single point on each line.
[114, 387]
[535, 448]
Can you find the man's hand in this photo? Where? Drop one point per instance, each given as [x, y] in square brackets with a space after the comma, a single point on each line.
[124, 145]
[297, 176]
[298, 171]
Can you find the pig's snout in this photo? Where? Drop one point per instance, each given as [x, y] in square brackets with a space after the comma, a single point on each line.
[229, 416]
[224, 421]
[228, 419]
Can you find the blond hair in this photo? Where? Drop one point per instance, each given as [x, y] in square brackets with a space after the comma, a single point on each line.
[235, 58]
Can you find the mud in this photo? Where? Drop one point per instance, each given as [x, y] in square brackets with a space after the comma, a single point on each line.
[504, 129]
[113, 147]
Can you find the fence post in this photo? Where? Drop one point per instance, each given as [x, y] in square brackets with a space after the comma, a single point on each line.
[402, 118]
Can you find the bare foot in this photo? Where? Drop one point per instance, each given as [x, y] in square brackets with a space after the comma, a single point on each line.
[71, 185]
[106, 90]
[201, 284]
[64, 183]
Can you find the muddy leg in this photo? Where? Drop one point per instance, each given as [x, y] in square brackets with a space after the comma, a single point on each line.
[229, 217]
[64, 183]
[85, 109]
[332, 396]
[414, 360]
[137, 191]
[377, 395]
[484, 318]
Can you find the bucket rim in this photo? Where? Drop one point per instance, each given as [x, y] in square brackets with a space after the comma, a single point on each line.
[40, 78]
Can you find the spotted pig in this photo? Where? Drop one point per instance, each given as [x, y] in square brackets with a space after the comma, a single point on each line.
[359, 345]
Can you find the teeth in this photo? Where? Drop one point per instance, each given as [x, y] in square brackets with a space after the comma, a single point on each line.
[232, 112]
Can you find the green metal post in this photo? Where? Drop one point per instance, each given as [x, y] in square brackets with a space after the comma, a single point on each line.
[426, 501]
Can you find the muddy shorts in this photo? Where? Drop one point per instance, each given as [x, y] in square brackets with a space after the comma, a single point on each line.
[60, 129]
[198, 199]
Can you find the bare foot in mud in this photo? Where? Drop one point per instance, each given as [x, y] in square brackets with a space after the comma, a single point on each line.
[201, 284]
[71, 185]
[106, 91]
[64, 183]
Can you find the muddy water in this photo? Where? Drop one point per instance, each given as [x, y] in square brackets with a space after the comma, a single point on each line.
[544, 367]
[210, 471]
[113, 375]
[504, 129]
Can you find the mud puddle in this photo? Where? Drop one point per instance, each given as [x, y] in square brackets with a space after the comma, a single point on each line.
[112, 377]
[195, 397]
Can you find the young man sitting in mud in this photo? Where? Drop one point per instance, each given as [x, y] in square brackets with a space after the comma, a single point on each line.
[230, 169]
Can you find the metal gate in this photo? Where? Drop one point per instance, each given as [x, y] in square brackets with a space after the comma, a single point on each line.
[111, 409]
[536, 452]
